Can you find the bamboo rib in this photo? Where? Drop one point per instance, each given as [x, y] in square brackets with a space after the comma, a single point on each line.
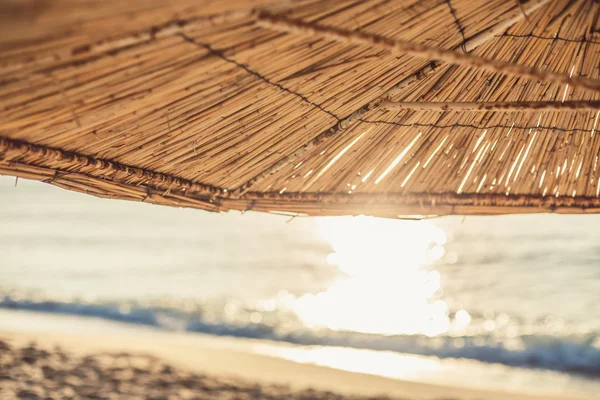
[17, 150]
[522, 12]
[283, 24]
[474, 42]
[591, 105]
[91, 185]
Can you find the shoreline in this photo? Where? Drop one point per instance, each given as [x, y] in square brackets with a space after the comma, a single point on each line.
[227, 358]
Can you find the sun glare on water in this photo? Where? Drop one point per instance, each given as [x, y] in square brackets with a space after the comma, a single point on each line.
[388, 286]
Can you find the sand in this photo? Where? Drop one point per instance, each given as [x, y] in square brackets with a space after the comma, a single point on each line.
[56, 356]
[38, 365]
[34, 372]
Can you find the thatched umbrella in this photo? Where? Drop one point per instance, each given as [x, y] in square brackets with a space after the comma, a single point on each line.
[379, 107]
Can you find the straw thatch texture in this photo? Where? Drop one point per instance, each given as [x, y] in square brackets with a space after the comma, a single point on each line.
[313, 107]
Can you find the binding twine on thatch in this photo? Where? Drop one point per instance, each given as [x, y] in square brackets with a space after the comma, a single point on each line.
[591, 105]
[284, 24]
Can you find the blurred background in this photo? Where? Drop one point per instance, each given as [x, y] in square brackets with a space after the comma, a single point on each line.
[513, 295]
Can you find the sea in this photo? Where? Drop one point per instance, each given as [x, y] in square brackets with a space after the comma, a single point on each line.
[515, 298]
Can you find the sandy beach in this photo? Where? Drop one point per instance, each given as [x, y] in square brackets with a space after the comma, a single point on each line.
[37, 372]
[93, 361]
[36, 367]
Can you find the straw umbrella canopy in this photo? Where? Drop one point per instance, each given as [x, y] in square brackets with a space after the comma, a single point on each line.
[378, 107]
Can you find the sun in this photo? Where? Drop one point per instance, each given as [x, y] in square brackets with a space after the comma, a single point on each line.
[386, 287]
